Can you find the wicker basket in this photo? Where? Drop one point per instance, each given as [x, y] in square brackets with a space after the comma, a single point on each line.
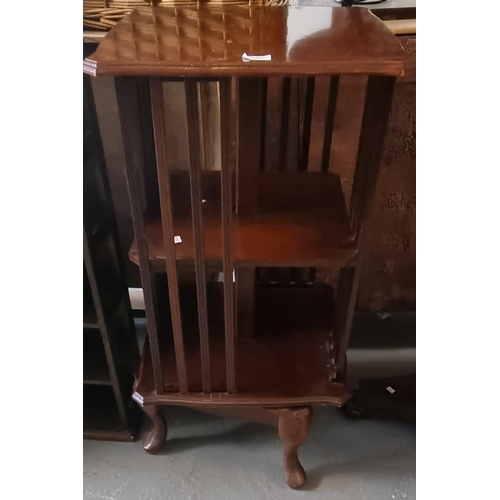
[104, 14]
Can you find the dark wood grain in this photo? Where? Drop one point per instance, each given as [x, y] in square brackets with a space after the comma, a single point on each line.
[347, 127]
[158, 115]
[329, 122]
[306, 122]
[197, 227]
[209, 40]
[251, 107]
[249, 99]
[126, 94]
[290, 349]
[303, 222]
[227, 212]
[371, 142]
[271, 140]
[154, 440]
[284, 122]
[293, 429]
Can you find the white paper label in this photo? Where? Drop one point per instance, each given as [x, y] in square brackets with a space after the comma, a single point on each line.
[246, 58]
[177, 239]
[390, 389]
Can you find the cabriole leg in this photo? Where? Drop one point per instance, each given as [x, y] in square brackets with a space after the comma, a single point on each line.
[153, 440]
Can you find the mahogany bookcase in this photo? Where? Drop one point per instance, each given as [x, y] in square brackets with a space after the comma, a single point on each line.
[226, 345]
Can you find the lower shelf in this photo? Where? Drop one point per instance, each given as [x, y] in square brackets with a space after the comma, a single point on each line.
[285, 362]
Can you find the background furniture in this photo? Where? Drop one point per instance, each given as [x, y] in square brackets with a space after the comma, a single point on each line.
[262, 353]
[384, 398]
[110, 349]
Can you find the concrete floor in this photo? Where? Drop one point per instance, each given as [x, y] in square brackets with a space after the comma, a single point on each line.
[207, 457]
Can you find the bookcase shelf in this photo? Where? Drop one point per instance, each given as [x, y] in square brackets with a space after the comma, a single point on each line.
[302, 220]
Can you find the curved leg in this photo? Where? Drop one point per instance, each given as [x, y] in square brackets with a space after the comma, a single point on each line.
[293, 429]
[153, 440]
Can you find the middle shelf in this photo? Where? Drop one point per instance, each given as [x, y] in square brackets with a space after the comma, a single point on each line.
[301, 220]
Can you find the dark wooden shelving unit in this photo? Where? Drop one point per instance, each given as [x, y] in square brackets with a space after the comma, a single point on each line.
[110, 348]
[221, 336]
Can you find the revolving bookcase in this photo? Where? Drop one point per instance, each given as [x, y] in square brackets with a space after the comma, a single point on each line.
[219, 339]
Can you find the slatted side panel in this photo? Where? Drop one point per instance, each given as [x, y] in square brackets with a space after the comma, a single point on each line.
[160, 136]
[300, 135]
[129, 105]
[280, 149]
[198, 159]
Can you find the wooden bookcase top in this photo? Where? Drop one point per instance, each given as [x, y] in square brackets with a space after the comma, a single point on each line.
[210, 41]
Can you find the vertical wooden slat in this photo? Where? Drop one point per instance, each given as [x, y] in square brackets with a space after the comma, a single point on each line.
[174, 96]
[263, 126]
[128, 106]
[198, 237]
[159, 127]
[273, 123]
[317, 127]
[210, 124]
[249, 122]
[347, 126]
[227, 211]
[149, 167]
[306, 123]
[292, 155]
[347, 296]
[285, 118]
[329, 121]
[375, 118]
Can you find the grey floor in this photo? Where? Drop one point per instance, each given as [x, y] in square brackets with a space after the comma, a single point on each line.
[206, 457]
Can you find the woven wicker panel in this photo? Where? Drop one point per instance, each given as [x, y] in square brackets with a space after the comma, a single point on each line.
[105, 14]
